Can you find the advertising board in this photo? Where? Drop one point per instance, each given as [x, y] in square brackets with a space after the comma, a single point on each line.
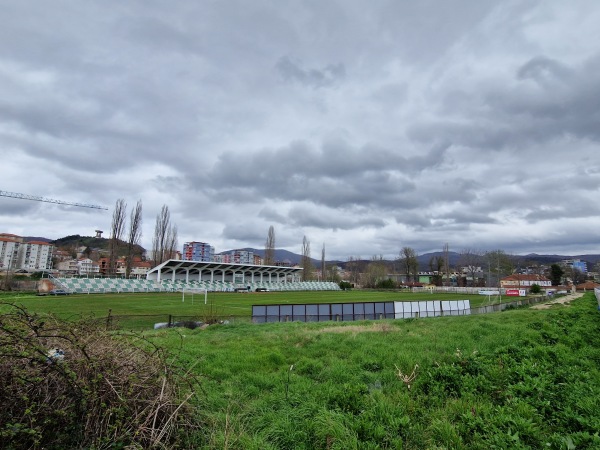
[516, 292]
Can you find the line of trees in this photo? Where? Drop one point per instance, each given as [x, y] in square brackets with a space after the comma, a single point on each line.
[164, 242]
[116, 243]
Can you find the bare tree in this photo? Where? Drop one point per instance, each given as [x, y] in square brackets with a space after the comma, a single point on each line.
[375, 272]
[409, 263]
[323, 268]
[446, 265]
[499, 264]
[307, 266]
[269, 259]
[470, 263]
[116, 235]
[135, 234]
[172, 243]
[353, 267]
[164, 242]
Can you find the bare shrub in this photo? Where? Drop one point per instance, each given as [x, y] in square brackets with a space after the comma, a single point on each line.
[74, 385]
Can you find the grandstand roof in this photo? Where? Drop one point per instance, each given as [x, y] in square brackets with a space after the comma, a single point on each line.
[181, 267]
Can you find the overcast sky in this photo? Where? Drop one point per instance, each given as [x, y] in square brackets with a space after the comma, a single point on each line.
[366, 126]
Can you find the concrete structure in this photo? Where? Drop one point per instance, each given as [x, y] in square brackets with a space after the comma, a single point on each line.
[517, 281]
[87, 267]
[198, 251]
[187, 271]
[68, 267]
[36, 256]
[9, 251]
[235, 257]
[16, 254]
[576, 264]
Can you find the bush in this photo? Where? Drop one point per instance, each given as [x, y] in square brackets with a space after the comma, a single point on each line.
[386, 284]
[75, 385]
[535, 289]
[345, 285]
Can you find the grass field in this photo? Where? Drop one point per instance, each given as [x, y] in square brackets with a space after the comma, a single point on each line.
[520, 379]
[156, 307]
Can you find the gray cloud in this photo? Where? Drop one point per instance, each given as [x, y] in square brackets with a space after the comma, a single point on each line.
[327, 76]
[368, 127]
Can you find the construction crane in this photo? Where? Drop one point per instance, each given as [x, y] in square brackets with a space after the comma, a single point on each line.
[48, 200]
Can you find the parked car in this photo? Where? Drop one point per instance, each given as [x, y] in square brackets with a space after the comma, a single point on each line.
[58, 292]
[261, 290]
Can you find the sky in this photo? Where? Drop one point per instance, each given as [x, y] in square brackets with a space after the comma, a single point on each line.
[364, 126]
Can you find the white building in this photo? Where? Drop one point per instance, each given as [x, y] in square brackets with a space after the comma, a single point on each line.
[9, 251]
[68, 267]
[35, 255]
[16, 254]
[87, 267]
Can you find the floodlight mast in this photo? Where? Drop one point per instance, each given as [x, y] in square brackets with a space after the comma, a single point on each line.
[48, 200]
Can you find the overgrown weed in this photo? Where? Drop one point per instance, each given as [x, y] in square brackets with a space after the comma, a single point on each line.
[78, 385]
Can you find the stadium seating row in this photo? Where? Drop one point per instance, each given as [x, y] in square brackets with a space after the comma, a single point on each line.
[118, 285]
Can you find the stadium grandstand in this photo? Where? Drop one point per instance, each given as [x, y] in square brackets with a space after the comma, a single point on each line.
[177, 275]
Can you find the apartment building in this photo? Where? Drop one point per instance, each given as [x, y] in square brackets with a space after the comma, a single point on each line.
[235, 257]
[198, 251]
[16, 254]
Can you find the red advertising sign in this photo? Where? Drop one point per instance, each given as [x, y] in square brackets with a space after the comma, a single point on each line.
[515, 292]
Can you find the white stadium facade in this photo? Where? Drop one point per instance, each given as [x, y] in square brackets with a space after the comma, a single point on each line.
[177, 270]
[178, 275]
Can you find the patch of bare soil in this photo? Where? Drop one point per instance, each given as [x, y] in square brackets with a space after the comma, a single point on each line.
[562, 300]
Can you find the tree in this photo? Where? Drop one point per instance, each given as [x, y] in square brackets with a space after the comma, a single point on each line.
[499, 265]
[577, 276]
[323, 268]
[135, 234]
[470, 262]
[353, 268]
[446, 264]
[116, 235]
[556, 274]
[409, 263]
[269, 258]
[333, 274]
[306, 262]
[164, 243]
[375, 272]
[436, 264]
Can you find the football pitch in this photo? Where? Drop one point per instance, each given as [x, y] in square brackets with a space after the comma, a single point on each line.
[142, 310]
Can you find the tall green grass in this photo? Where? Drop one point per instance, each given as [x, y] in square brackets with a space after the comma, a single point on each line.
[518, 379]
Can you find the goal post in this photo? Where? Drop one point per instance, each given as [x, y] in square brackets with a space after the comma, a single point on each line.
[194, 291]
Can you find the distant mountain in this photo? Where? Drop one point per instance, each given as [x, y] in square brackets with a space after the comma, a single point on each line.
[425, 258]
[36, 238]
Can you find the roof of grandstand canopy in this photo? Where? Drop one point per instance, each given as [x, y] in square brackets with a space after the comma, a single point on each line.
[179, 266]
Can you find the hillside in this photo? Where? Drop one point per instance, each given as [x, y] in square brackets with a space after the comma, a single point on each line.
[74, 241]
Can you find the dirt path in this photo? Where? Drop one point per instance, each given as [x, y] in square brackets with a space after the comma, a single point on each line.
[562, 300]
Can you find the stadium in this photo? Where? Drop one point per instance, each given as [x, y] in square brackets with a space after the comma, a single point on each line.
[177, 275]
